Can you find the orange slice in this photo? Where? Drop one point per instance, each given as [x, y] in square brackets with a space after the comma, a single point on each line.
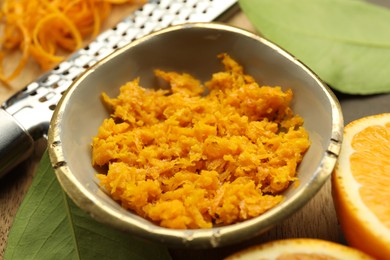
[299, 249]
[361, 185]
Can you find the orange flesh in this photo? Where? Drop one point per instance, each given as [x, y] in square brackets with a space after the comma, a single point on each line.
[300, 249]
[304, 256]
[370, 167]
[360, 185]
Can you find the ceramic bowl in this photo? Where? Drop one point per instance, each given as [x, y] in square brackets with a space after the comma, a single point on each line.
[192, 48]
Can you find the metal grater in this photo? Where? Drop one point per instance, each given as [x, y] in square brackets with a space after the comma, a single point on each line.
[25, 117]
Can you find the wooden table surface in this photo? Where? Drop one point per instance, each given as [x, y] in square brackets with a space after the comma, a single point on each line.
[316, 220]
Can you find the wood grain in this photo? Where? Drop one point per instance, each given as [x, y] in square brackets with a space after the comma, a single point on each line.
[316, 220]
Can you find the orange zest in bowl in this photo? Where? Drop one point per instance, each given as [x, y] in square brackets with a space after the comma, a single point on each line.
[183, 159]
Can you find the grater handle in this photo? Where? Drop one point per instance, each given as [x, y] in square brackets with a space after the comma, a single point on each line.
[16, 144]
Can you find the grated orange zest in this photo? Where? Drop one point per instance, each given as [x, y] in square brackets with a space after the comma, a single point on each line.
[186, 160]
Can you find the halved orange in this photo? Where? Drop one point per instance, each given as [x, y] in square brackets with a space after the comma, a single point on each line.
[299, 249]
[361, 185]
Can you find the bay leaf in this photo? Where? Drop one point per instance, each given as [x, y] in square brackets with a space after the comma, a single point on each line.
[345, 42]
[48, 225]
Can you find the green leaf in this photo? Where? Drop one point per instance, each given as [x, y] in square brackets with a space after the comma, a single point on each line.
[346, 42]
[49, 225]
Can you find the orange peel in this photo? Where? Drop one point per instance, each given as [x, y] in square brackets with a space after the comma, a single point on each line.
[46, 30]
